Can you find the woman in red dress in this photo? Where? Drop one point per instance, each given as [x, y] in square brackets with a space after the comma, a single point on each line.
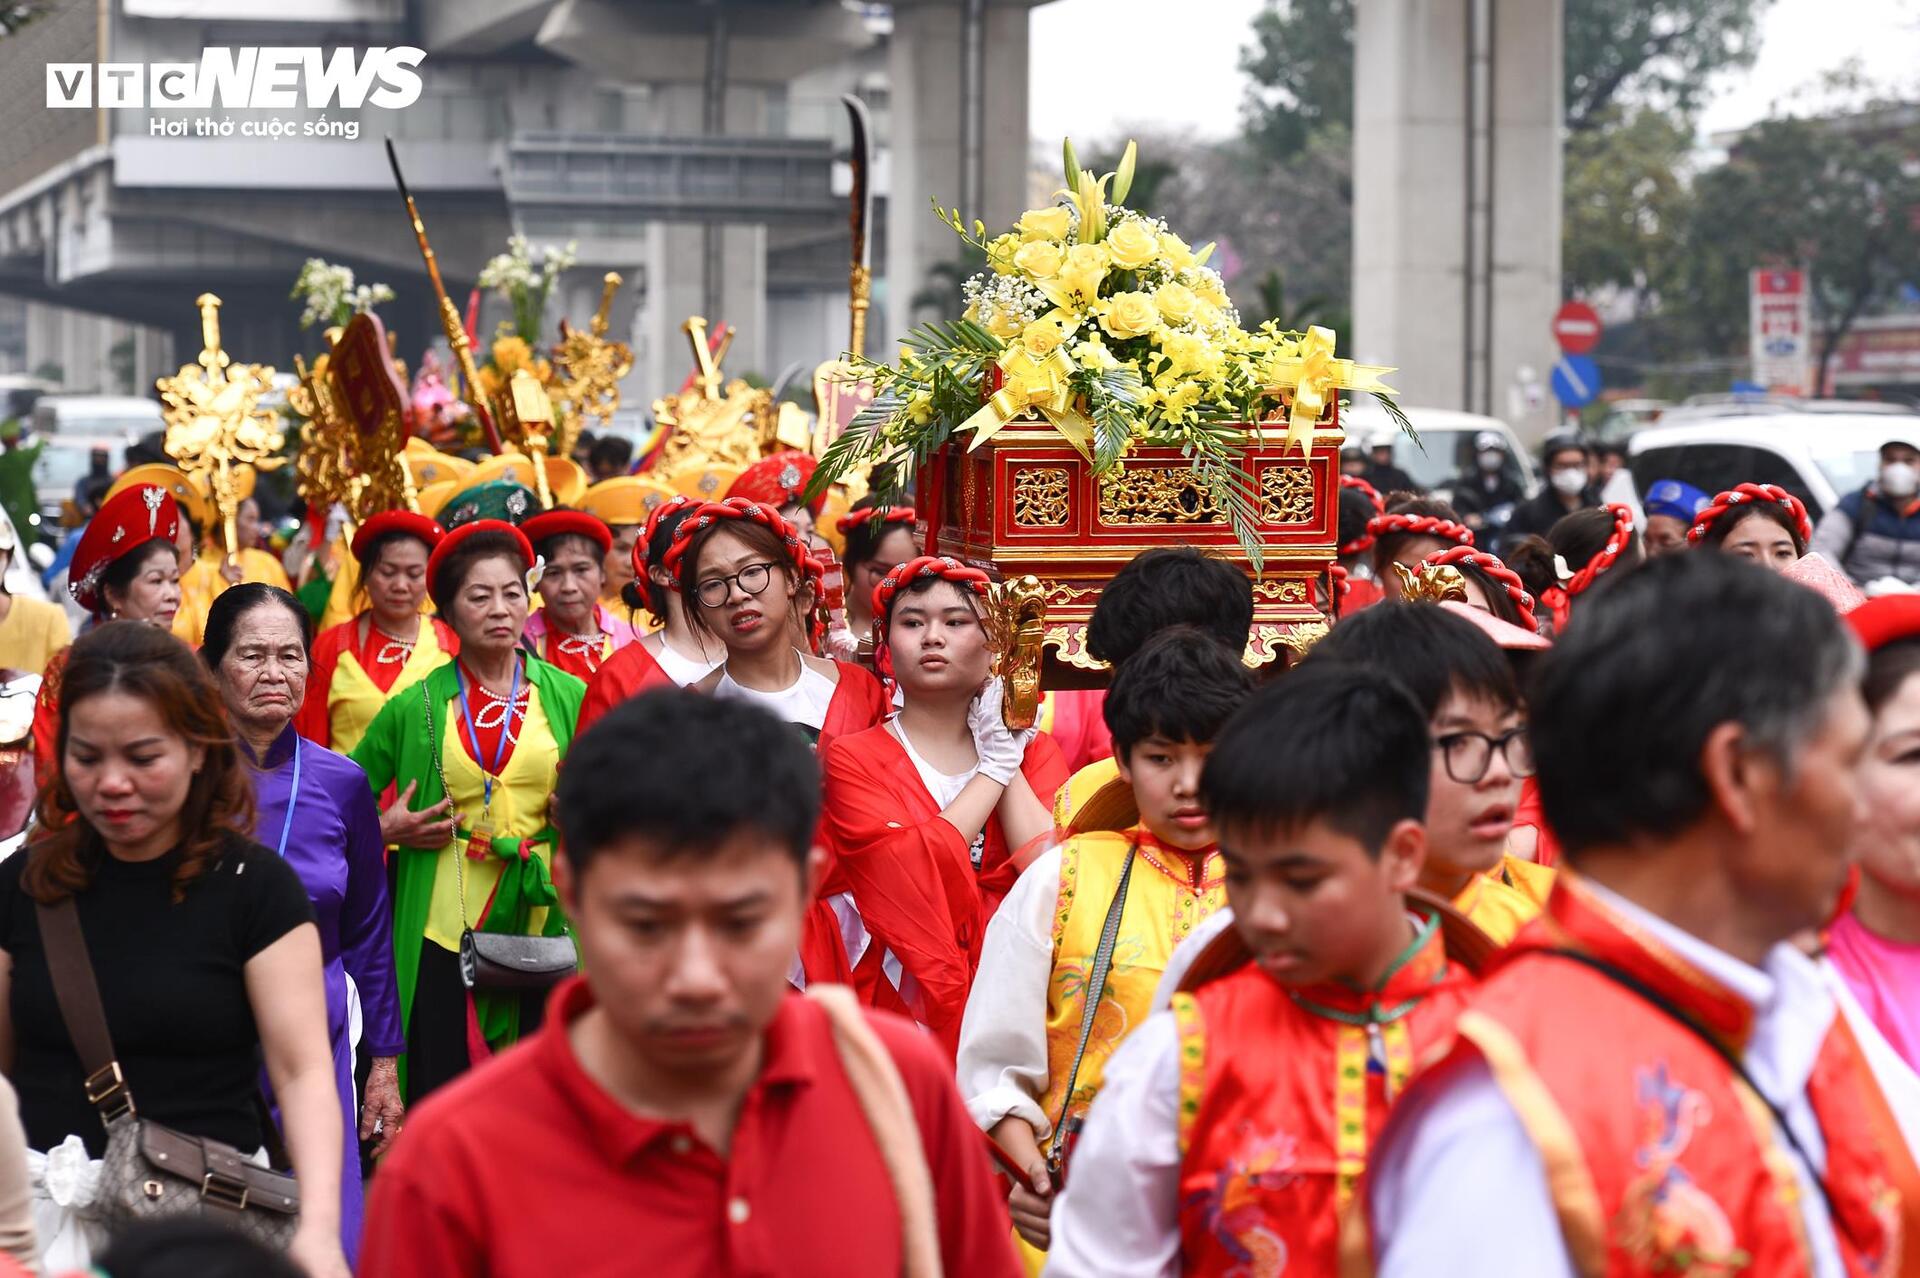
[357, 664]
[572, 629]
[745, 575]
[678, 652]
[127, 568]
[924, 811]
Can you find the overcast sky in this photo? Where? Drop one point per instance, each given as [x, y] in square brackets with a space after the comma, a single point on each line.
[1184, 71]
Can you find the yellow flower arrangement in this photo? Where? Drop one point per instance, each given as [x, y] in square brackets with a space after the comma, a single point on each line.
[1110, 326]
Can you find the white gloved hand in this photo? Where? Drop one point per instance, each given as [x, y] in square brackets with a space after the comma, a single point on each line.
[1000, 749]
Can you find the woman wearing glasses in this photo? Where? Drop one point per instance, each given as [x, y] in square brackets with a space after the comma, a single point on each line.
[746, 577]
[487, 731]
[313, 807]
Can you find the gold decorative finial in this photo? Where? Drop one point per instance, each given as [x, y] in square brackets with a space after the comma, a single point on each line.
[589, 385]
[215, 424]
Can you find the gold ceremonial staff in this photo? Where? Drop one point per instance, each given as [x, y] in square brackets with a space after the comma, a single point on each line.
[450, 320]
[215, 422]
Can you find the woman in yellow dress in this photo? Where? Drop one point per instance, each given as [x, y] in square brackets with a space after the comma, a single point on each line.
[204, 579]
[357, 664]
[486, 731]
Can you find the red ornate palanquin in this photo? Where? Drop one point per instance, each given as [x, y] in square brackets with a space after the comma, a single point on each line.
[1027, 502]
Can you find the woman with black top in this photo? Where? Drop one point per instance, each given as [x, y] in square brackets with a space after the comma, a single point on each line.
[202, 942]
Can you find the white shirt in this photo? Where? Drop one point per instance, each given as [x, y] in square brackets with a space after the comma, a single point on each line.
[945, 787]
[682, 670]
[804, 701]
[1119, 1216]
[1002, 1065]
[1457, 1168]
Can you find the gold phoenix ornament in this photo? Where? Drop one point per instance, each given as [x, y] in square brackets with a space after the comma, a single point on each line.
[593, 368]
[214, 420]
[1016, 617]
[707, 426]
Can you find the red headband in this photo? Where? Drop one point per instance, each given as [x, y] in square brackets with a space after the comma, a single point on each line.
[1360, 543]
[805, 566]
[906, 574]
[905, 516]
[1745, 493]
[1420, 526]
[1494, 568]
[1560, 598]
[674, 504]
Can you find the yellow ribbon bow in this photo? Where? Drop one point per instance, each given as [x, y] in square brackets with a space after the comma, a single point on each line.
[1033, 384]
[1313, 376]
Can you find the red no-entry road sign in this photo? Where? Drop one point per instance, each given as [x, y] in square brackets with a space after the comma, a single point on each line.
[1576, 326]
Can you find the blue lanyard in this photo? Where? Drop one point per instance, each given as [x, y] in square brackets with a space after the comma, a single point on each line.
[499, 751]
[293, 797]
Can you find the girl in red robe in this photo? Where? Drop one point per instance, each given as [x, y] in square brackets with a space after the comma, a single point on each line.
[924, 811]
[744, 575]
[676, 653]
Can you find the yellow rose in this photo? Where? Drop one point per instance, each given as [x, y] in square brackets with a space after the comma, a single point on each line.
[1003, 324]
[1176, 303]
[1085, 267]
[1051, 223]
[1130, 315]
[1175, 250]
[1040, 259]
[1042, 337]
[1132, 245]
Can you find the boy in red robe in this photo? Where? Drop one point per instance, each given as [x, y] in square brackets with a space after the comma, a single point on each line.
[1233, 1128]
[1654, 1080]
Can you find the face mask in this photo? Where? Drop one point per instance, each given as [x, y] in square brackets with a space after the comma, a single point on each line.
[1570, 482]
[1492, 459]
[1899, 479]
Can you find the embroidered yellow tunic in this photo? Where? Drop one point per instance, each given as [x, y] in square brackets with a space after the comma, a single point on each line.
[353, 698]
[1498, 910]
[519, 811]
[1163, 908]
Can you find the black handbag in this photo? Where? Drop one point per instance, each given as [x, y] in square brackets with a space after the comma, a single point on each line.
[150, 1172]
[503, 962]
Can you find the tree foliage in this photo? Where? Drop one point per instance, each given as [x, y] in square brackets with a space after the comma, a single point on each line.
[1626, 204]
[1619, 54]
[1837, 196]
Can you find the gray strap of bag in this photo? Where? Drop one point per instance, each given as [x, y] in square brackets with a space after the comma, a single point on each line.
[1096, 990]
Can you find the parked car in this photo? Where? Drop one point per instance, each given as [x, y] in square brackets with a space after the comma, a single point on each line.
[69, 428]
[19, 393]
[1445, 448]
[1818, 456]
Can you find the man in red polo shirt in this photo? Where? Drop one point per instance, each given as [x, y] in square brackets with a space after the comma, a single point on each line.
[682, 1111]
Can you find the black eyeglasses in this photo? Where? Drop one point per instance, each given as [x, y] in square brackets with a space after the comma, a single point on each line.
[1468, 755]
[753, 579]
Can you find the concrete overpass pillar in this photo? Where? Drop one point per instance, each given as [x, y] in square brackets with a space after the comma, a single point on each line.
[1456, 248]
[929, 103]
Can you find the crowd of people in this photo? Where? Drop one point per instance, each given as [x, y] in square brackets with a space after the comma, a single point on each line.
[591, 895]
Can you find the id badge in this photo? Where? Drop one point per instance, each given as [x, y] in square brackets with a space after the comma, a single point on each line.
[480, 843]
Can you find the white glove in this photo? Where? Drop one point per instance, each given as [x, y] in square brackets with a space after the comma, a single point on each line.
[1000, 749]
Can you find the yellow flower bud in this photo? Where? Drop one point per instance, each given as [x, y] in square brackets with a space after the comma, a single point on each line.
[1132, 245]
